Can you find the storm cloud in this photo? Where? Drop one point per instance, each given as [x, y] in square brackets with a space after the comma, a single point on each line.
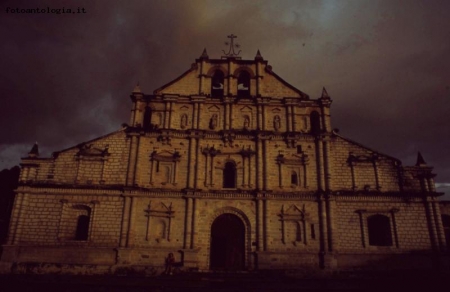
[66, 78]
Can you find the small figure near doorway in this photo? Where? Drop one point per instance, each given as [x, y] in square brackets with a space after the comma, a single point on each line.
[213, 122]
[170, 261]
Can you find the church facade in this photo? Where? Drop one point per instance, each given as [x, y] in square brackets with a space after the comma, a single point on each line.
[228, 167]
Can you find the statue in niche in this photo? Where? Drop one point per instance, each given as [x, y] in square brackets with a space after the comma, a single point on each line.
[184, 121]
[213, 122]
[246, 122]
[276, 123]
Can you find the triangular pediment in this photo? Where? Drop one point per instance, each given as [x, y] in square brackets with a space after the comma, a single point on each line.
[90, 150]
[293, 210]
[276, 110]
[214, 108]
[246, 109]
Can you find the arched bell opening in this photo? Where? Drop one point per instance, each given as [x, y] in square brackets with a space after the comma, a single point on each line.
[243, 84]
[217, 82]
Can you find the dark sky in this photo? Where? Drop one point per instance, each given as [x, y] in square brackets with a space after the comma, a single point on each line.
[66, 78]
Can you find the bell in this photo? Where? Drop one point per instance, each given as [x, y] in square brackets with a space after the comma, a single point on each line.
[217, 84]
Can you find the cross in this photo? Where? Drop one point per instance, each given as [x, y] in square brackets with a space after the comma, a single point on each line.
[232, 36]
[231, 53]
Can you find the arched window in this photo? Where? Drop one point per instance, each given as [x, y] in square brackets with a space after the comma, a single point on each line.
[229, 176]
[217, 84]
[379, 229]
[243, 84]
[294, 178]
[446, 224]
[82, 230]
[315, 123]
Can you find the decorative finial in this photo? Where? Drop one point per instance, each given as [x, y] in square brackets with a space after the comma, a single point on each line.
[325, 93]
[420, 160]
[204, 54]
[258, 56]
[231, 53]
[137, 89]
[34, 152]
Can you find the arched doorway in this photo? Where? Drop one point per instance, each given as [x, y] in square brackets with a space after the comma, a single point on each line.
[227, 243]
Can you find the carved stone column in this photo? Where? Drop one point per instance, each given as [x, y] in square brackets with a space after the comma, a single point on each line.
[125, 221]
[294, 120]
[197, 156]
[330, 205]
[199, 114]
[326, 162]
[192, 151]
[226, 124]
[244, 168]
[351, 162]
[188, 224]
[250, 177]
[375, 170]
[319, 164]
[230, 113]
[263, 116]
[194, 223]
[265, 177]
[288, 118]
[194, 116]
[259, 118]
[259, 212]
[439, 228]
[280, 176]
[131, 225]
[205, 183]
[322, 228]
[431, 223]
[362, 226]
[259, 164]
[132, 159]
[266, 224]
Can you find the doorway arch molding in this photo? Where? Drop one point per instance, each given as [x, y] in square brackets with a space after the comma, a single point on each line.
[248, 234]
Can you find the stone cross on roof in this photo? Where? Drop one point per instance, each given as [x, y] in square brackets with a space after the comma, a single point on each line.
[231, 53]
